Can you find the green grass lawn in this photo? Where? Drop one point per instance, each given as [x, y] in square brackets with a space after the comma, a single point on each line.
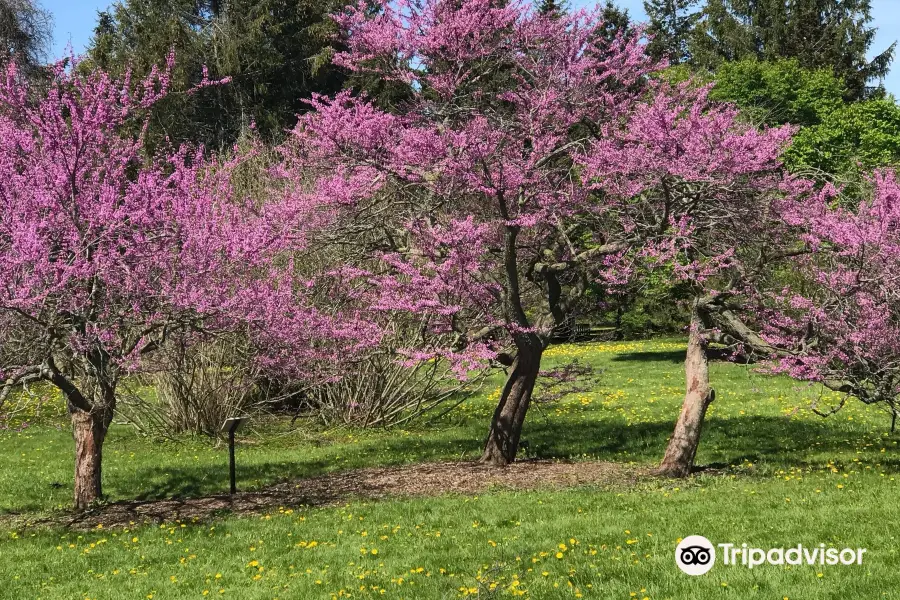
[781, 476]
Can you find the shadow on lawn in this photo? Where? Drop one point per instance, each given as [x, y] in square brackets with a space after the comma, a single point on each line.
[417, 480]
[672, 356]
[773, 441]
[677, 356]
[161, 483]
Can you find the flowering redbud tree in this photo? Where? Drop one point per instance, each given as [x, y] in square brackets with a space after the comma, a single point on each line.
[105, 252]
[709, 184]
[841, 328]
[524, 168]
[465, 204]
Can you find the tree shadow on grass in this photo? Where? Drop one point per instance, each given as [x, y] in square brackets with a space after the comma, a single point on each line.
[671, 356]
[678, 356]
[379, 483]
[725, 441]
[774, 441]
[161, 483]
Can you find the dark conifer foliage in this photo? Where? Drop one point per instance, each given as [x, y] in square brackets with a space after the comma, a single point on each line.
[25, 34]
[671, 24]
[834, 34]
[276, 53]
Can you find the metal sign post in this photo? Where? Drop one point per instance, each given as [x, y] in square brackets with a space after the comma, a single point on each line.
[231, 426]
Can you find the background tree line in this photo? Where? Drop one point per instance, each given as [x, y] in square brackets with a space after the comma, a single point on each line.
[803, 63]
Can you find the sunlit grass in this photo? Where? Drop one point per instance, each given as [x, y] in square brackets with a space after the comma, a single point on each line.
[781, 476]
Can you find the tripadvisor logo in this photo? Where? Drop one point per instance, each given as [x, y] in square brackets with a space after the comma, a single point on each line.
[696, 555]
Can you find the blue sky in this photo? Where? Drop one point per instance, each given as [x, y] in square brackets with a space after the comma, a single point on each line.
[74, 23]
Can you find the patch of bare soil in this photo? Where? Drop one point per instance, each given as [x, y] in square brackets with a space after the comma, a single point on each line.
[427, 479]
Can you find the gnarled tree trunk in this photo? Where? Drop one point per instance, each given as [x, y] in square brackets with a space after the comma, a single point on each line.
[679, 458]
[91, 413]
[509, 417]
[89, 431]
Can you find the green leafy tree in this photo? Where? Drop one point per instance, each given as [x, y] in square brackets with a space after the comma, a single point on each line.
[850, 141]
[779, 92]
[833, 34]
[671, 24]
[836, 139]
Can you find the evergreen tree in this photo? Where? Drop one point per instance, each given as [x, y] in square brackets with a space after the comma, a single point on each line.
[25, 34]
[551, 7]
[671, 23]
[615, 21]
[275, 52]
[834, 34]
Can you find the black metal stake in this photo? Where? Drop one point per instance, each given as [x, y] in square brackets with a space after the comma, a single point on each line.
[231, 470]
[231, 425]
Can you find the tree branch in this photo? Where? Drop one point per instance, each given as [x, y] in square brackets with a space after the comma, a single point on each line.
[23, 376]
[51, 373]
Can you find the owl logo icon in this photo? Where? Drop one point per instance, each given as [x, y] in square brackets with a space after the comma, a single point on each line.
[695, 555]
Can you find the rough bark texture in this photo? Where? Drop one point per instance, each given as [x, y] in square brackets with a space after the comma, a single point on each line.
[679, 458]
[89, 431]
[509, 417]
[91, 413]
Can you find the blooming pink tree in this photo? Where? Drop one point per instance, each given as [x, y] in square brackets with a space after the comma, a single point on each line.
[105, 252]
[709, 184]
[841, 327]
[465, 205]
[525, 166]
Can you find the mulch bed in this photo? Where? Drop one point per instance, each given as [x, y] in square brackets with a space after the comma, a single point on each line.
[426, 479]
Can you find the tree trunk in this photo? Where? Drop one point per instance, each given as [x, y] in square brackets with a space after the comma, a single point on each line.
[509, 417]
[679, 458]
[91, 409]
[89, 431]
